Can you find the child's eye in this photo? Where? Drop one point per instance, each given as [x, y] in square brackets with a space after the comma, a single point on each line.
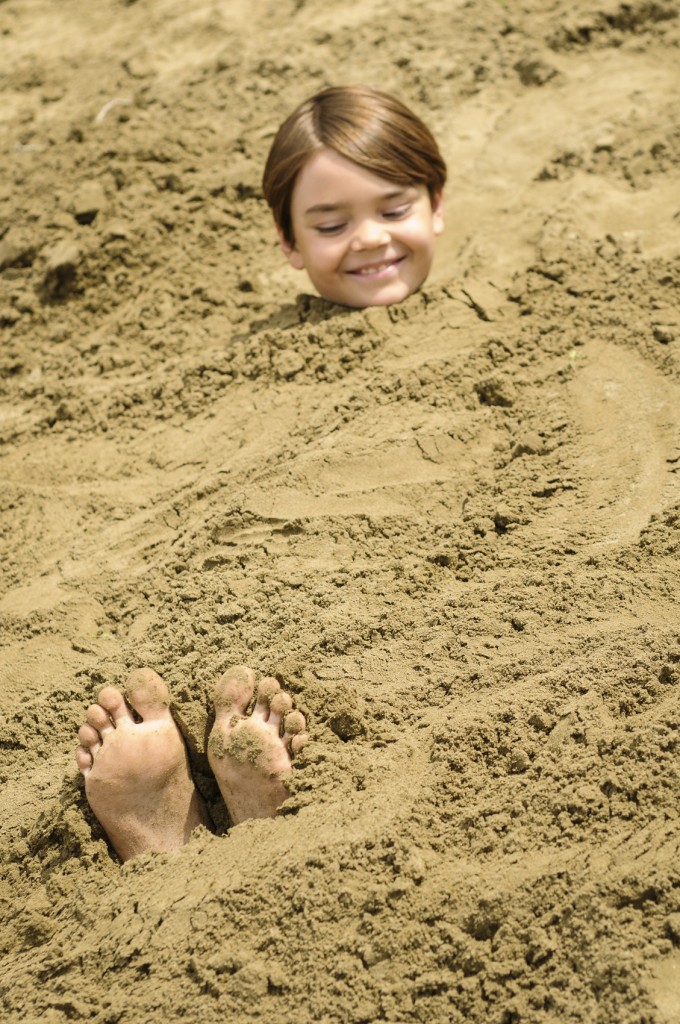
[329, 229]
[398, 212]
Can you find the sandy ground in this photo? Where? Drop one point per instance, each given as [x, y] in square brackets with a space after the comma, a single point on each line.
[451, 527]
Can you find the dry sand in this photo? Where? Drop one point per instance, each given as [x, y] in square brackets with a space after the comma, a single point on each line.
[451, 527]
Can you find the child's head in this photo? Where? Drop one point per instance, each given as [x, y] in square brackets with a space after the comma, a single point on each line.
[354, 180]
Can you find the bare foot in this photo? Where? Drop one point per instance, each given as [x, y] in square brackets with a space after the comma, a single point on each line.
[137, 776]
[251, 754]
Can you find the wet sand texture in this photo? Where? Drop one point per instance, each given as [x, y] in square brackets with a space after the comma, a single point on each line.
[451, 528]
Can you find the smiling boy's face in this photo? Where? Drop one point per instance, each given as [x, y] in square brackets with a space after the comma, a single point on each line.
[363, 240]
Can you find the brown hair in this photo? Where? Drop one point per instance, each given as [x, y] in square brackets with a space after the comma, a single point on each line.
[370, 128]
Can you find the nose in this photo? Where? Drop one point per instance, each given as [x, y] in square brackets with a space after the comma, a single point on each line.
[369, 234]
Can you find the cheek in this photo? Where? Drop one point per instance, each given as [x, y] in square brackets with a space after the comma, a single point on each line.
[422, 243]
[419, 233]
[326, 255]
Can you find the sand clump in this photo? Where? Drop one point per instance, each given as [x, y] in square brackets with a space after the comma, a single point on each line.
[450, 529]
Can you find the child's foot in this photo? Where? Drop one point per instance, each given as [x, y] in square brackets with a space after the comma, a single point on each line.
[137, 776]
[251, 754]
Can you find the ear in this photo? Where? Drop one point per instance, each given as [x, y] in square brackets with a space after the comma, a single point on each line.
[438, 213]
[294, 257]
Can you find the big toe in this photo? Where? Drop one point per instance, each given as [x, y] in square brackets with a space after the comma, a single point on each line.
[234, 690]
[147, 694]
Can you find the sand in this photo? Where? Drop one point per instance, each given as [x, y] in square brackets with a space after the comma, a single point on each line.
[451, 528]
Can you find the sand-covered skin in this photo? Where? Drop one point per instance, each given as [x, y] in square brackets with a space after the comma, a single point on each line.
[451, 529]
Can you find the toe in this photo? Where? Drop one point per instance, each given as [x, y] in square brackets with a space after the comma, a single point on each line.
[84, 759]
[279, 706]
[99, 720]
[298, 741]
[147, 694]
[89, 737]
[89, 742]
[267, 689]
[295, 731]
[295, 723]
[234, 690]
[112, 704]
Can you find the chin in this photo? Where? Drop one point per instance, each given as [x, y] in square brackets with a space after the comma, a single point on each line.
[387, 296]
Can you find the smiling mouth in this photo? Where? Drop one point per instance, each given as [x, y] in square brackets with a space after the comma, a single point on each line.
[376, 269]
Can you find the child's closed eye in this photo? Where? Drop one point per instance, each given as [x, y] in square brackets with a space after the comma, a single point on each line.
[329, 229]
[398, 211]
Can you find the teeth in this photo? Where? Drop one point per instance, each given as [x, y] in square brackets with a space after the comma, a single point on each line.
[375, 270]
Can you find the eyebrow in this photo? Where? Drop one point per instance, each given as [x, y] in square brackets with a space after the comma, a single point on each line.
[333, 207]
[326, 208]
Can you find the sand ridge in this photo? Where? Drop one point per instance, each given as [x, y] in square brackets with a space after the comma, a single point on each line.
[449, 528]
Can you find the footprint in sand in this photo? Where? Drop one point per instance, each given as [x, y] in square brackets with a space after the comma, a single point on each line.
[137, 775]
